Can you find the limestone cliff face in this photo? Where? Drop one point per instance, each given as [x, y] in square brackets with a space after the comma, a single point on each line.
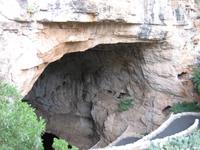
[159, 47]
[33, 34]
[37, 33]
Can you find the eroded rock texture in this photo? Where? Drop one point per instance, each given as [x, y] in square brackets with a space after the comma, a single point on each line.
[36, 33]
[79, 94]
[83, 89]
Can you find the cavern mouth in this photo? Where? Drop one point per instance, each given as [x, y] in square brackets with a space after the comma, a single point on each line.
[71, 92]
[47, 139]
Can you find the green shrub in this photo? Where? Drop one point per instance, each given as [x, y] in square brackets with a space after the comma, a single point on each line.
[190, 142]
[20, 129]
[60, 144]
[196, 80]
[8, 91]
[125, 104]
[185, 107]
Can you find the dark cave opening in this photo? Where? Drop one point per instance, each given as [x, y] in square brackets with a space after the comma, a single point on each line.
[182, 75]
[67, 92]
[166, 110]
[47, 139]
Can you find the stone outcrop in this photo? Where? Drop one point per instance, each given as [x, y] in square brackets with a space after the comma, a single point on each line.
[152, 65]
[191, 120]
[35, 34]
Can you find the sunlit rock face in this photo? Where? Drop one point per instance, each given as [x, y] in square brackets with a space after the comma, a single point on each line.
[92, 70]
[36, 33]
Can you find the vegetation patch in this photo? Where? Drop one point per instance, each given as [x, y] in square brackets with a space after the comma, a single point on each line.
[125, 104]
[8, 91]
[20, 128]
[196, 80]
[185, 107]
[60, 144]
[189, 142]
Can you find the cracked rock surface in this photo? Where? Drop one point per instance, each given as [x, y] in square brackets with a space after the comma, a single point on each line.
[81, 57]
[79, 94]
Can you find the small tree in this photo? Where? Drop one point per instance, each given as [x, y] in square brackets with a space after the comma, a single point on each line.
[20, 129]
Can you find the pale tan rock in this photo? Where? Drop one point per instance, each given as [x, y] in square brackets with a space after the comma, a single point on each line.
[33, 35]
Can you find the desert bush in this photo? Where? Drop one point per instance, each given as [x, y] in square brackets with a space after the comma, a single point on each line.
[20, 129]
[8, 91]
[60, 144]
[190, 142]
[185, 107]
[125, 104]
[196, 80]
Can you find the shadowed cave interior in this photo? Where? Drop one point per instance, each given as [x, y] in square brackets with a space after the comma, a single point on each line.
[71, 93]
[47, 139]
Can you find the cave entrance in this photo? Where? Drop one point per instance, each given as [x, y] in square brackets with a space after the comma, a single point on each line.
[77, 93]
[47, 139]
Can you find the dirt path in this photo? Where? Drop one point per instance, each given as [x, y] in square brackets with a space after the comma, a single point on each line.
[176, 126]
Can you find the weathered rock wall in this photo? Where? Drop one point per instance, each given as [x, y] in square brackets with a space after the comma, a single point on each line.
[82, 91]
[35, 33]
